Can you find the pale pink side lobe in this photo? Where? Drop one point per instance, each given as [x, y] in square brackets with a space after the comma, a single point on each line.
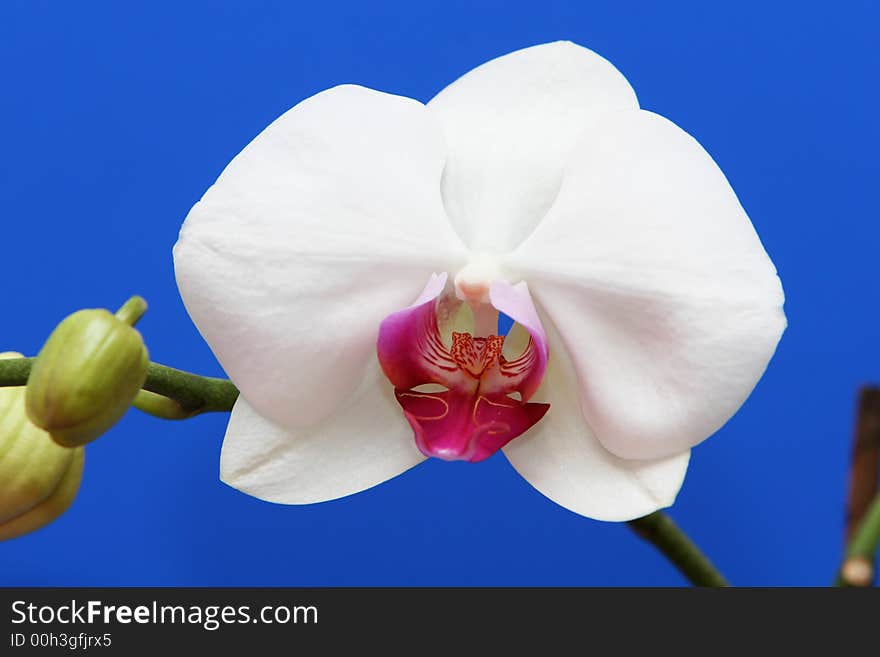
[475, 415]
[516, 302]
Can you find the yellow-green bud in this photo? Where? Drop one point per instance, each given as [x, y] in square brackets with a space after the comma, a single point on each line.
[38, 478]
[87, 374]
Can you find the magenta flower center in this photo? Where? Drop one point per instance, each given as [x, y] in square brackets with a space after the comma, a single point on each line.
[479, 399]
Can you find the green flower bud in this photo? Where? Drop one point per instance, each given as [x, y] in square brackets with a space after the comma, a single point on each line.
[87, 374]
[38, 478]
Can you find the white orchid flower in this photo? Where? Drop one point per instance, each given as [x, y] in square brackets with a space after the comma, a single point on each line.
[329, 265]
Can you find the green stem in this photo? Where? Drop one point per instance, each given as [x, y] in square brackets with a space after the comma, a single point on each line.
[660, 530]
[858, 566]
[193, 393]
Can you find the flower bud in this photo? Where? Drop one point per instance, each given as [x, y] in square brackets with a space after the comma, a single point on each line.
[87, 374]
[38, 478]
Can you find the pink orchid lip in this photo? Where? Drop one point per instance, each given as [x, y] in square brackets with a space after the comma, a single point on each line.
[475, 413]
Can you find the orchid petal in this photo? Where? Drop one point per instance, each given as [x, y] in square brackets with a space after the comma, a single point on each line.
[660, 288]
[509, 127]
[325, 222]
[561, 457]
[365, 443]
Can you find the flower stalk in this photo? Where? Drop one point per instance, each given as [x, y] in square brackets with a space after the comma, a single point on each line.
[864, 473]
[662, 532]
[193, 394]
[858, 565]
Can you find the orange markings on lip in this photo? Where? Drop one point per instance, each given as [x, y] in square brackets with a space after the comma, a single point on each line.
[475, 355]
[432, 398]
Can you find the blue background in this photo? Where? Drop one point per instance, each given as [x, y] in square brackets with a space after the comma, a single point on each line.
[115, 117]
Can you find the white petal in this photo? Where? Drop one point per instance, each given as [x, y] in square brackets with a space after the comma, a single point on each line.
[367, 441]
[561, 457]
[509, 127]
[327, 222]
[661, 289]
